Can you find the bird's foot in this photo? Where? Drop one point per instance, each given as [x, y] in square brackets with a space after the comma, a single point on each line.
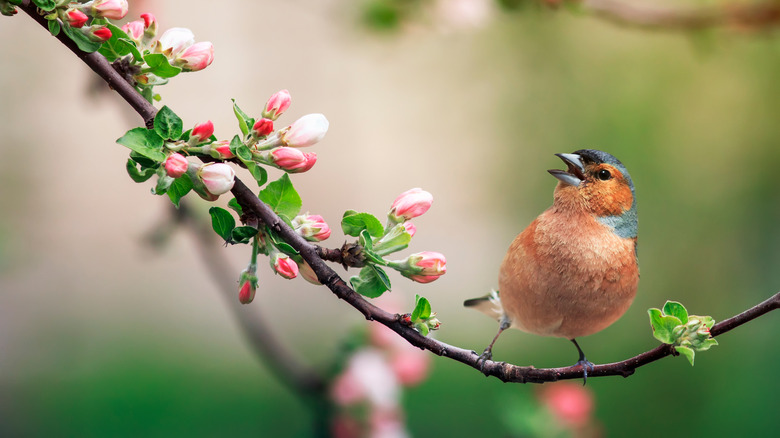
[586, 365]
[485, 356]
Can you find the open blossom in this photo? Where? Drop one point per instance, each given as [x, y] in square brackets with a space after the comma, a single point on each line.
[111, 9]
[277, 104]
[176, 165]
[217, 177]
[284, 265]
[305, 131]
[311, 227]
[76, 18]
[410, 204]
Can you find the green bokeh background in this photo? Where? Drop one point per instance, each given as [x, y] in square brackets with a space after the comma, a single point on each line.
[100, 337]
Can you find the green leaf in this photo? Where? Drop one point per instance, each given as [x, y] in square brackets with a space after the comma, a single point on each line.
[368, 251]
[167, 124]
[280, 244]
[244, 153]
[673, 308]
[281, 196]
[222, 222]
[663, 326]
[46, 5]
[244, 121]
[258, 172]
[159, 65]
[142, 161]
[243, 234]
[163, 183]
[179, 188]
[145, 142]
[422, 328]
[54, 27]
[235, 206]
[352, 223]
[82, 41]
[687, 352]
[422, 309]
[139, 176]
[368, 283]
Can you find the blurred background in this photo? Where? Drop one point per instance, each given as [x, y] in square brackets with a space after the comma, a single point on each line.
[103, 335]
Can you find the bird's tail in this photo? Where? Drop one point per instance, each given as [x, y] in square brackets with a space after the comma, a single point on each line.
[490, 305]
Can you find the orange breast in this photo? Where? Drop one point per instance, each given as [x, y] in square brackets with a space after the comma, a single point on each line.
[567, 275]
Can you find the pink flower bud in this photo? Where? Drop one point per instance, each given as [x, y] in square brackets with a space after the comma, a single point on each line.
[284, 265]
[217, 177]
[76, 18]
[134, 29]
[305, 131]
[246, 293]
[277, 104]
[290, 159]
[97, 33]
[221, 150]
[425, 266]
[173, 41]
[111, 9]
[149, 20]
[410, 228]
[263, 127]
[176, 165]
[410, 204]
[311, 227]
[196, 57]
[410, 366]
[202, 131]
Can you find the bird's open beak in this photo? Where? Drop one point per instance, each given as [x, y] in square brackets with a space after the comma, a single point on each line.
[574, 175]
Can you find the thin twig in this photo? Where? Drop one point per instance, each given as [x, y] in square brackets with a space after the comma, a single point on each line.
[503, 371]
[746, 15]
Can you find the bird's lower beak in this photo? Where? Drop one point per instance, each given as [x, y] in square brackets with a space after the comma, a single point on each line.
[574, 175]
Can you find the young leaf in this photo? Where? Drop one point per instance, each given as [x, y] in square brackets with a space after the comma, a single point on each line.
[368, 251]
[422, 309]
[142, 161]
[280, 244]
[663, 326]
[244, 121]
[82, 41]
[167, 124]
[281, 196]
[422, 328]
[235, 206]
[258, 172]
[687, 352]
[352, 223]
[145, 142]
[243, 234]
[54, 27]
[244, 153]
[179, 188]
[673, 308]
[159, 65]
[136, 175]
[46, 5]
[367, 283]
[222, 222]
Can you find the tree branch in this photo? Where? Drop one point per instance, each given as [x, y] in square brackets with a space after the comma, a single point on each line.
[503, 371]
[747, 15]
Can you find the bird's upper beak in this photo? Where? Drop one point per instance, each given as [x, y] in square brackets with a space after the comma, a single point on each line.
[574, 175]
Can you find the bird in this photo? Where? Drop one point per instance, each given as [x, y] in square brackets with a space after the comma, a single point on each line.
[574, 270]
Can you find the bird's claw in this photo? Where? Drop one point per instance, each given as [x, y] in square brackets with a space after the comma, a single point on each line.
[586, 365]
[484, 357]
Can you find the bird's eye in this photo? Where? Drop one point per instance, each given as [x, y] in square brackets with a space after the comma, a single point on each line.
[604, 174]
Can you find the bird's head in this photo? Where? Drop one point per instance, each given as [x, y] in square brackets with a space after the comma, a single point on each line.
[599, 183]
